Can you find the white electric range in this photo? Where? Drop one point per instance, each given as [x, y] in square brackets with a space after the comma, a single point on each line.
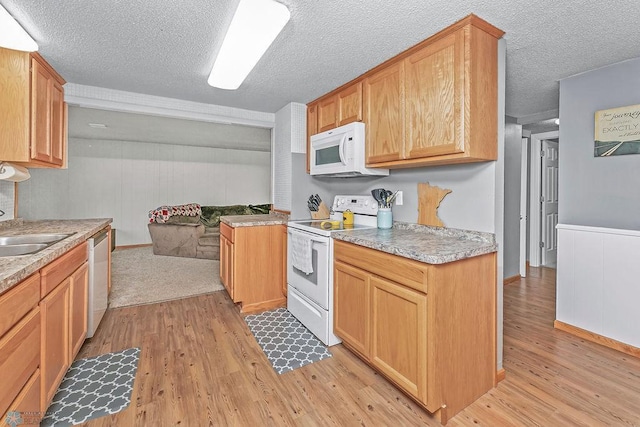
[310, 296]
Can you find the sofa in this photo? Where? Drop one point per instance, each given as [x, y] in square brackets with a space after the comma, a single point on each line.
[193, 230]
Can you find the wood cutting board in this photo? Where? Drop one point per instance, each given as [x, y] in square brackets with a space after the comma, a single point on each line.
[429, 198]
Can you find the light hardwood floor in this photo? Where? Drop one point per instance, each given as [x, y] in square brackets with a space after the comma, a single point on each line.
[201, 366]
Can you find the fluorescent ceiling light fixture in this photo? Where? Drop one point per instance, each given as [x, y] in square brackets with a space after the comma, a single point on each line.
[12, 35]
[97, 125]
[254, 27]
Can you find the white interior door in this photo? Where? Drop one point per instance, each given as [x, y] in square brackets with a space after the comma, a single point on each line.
[549, 199]
[524, 161]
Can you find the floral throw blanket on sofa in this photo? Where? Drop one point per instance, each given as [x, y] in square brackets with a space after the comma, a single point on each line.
[209, 216]
[163, 214]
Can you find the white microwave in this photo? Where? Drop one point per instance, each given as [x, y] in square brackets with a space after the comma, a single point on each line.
[340, 152]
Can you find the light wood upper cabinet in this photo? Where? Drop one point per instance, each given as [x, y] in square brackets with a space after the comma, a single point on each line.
[451, 92]
[340, 107]
[34, 134]
[350, 104]
[435, 103]
[384, 114]
[434, 86]
[327, 114]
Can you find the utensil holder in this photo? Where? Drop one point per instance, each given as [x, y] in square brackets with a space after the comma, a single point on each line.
[385, 218]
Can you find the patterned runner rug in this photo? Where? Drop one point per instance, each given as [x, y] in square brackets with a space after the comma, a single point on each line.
[93, 388]
[285, 341]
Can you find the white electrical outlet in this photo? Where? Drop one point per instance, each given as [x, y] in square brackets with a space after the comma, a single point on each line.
[399, 198]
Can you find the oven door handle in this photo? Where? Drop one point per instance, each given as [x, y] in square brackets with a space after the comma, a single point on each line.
[317, 239]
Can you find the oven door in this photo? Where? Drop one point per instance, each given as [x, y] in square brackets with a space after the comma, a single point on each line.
[314, 286]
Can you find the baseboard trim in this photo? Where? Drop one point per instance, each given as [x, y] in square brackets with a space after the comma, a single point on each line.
[597, 338]
[511, 279]
[262, 306]
[133, 246]
[501, 374]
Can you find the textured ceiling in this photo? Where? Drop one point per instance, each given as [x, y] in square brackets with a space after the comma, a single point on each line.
[167, 48]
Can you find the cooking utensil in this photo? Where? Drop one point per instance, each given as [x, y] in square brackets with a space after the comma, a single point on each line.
[391, 198]
[378, 195]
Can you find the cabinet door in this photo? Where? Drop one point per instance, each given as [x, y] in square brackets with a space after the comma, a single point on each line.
[224, 263]
[351, 302]
[399, 339]
[350, 104]
[328, 114]
[312, 128]
[79, 300]
[384, 114]
[57, 123]
[435, 99]
[54, 360]
[230, 266]
[40, 113]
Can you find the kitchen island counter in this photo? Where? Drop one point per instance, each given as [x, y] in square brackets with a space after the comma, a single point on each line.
[431, 245]
[13, 269]
[254, 220]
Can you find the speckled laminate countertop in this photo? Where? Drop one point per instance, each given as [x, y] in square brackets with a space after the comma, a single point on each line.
[15, 268]
[254, 220]
[431, 245]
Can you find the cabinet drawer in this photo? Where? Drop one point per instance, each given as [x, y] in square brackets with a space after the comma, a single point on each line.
[55, 272]
[27, 403]
[228, 232]
[19, 357]
[401, 270]
[18, 301]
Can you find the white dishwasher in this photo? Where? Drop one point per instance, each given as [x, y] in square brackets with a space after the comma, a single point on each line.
[99, 247]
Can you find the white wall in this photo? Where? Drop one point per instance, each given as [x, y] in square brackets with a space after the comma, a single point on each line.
[7, 200]
[123, 180]
[597, 191]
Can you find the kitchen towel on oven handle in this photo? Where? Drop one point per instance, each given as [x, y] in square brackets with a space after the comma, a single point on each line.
[301, 252]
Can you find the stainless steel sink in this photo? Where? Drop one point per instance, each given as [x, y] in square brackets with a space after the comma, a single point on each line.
[31, 238]
[26, 244]
[25, 249]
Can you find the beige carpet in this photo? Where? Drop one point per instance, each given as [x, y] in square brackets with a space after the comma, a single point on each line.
[140, 277]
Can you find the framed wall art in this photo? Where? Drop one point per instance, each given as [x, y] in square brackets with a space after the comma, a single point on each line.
[617, 131]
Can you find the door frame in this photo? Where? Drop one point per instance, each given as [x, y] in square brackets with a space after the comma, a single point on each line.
[535, 225]
[524, 217]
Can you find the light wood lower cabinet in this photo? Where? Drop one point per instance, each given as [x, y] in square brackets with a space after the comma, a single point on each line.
[429, 329]
[55, 339]
[399, 338]
[352, 295]
[19, 357]
[43, 323]
[78, 309]
[251, 264]
[27, 403]
[64, 302]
